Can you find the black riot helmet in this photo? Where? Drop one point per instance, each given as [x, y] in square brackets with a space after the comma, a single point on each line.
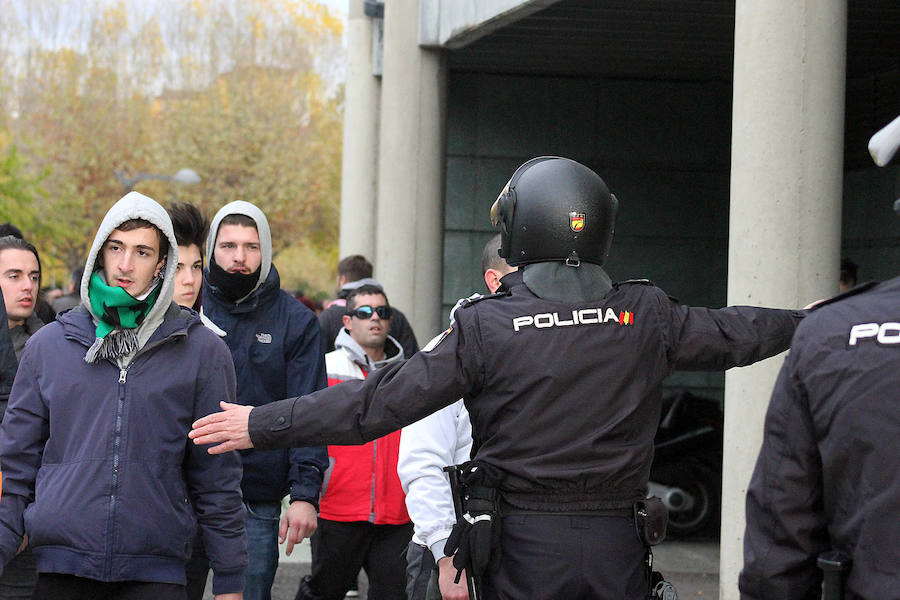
[554, 209]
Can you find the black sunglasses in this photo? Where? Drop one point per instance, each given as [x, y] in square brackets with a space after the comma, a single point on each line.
[365, 312]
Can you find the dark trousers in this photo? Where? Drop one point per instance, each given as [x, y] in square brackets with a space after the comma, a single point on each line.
[343, 548]
[568, 557]
[19, 576]
[54, 586]
[196, 570]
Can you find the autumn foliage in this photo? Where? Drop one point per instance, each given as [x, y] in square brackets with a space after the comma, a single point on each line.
[246, 93]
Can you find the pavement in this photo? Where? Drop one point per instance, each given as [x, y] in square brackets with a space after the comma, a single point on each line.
[692, 566]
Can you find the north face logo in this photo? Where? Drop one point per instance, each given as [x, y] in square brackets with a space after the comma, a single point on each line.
[264, 338]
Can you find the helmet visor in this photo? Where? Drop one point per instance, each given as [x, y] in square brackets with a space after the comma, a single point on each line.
[497, 208]
[495, 212]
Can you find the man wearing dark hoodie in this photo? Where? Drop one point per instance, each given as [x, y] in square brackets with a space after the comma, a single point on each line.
[96, 468]
[277, 351]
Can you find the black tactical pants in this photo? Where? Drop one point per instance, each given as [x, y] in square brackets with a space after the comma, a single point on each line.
[568, 557]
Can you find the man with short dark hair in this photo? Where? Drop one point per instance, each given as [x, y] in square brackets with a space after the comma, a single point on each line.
[427, 446]
[353, 268]
[848, 278]
[276, 349]
[354, 271]
[20, 281]
[95, 466]
[363, 521]
[42, 309]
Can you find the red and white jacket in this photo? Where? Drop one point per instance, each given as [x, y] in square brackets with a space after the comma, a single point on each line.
[362, 483]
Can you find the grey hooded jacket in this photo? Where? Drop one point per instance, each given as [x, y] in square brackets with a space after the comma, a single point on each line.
[277, 352]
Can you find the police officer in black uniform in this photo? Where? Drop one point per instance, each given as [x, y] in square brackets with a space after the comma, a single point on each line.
[828, 475]
[562, 376]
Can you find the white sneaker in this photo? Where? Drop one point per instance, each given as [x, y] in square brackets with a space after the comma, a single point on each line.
[352, 594]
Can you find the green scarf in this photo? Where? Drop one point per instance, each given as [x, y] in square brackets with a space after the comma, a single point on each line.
[119, 314]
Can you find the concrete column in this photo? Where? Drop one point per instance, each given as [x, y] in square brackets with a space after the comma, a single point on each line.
[360, 160]
[411, 170]
[785, 220]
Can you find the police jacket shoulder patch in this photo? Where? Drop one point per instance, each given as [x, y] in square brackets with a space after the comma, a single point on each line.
[471, 301]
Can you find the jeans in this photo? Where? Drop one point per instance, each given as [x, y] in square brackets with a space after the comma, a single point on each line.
[262, 547]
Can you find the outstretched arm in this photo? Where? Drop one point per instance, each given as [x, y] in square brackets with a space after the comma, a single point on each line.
[718, 339]
[353, 412]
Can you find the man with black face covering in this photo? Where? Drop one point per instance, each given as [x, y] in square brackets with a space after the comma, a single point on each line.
[562, 377]
[276, 347]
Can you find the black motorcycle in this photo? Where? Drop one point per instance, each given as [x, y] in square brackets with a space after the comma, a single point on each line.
[687, 466]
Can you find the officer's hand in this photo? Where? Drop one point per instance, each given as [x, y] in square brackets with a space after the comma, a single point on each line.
[229, 429]
[446, 577]
[297, 522]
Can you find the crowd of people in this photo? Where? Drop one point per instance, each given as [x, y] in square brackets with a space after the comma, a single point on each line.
[123, 480]
[171, 305]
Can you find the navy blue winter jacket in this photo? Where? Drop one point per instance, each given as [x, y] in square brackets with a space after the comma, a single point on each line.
[97, 465]
[277, 352]
[8, 363]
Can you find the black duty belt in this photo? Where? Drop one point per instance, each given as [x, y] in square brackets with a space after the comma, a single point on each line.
[507, 509]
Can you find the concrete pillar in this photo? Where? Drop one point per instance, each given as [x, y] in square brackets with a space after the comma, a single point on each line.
[785, 220]
[411, 170]
[360, 160]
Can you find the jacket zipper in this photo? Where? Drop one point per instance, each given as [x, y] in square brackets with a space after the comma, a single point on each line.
[117, 446]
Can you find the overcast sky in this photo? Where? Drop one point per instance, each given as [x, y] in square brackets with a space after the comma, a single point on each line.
[338, 6]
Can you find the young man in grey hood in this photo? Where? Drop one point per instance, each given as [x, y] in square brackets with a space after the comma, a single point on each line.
[111, 500]
[277, 351]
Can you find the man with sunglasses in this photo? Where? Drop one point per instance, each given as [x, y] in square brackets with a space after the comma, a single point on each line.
[363, 521]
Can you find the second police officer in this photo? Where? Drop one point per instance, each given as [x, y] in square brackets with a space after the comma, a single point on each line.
[562, 376]
[827, 480]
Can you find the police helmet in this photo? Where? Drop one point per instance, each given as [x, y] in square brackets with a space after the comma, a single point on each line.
[554, 209]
